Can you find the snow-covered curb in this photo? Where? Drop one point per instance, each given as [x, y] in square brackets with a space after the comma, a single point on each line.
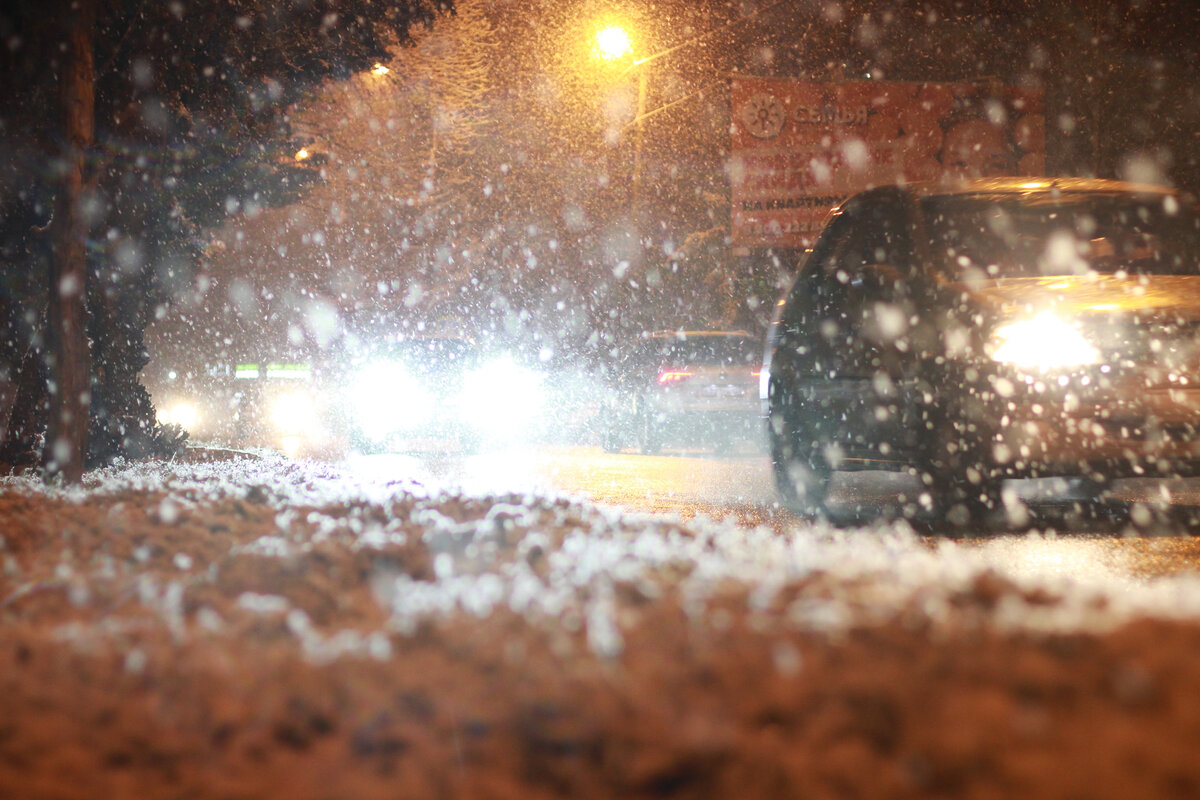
[432, 552]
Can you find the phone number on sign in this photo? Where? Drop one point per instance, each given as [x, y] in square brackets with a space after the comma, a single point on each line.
[775, 228]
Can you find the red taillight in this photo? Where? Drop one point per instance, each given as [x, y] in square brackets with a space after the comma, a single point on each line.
[666, 376]
[757, 373]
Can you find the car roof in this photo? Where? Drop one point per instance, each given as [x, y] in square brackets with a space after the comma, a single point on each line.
[692, 334]
[1036, 185]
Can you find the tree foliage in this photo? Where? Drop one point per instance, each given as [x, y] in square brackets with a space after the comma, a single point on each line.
[191, 128]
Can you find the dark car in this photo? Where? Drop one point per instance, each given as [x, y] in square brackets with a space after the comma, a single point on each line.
[285, 405]
[1007, 328]
[683, 388]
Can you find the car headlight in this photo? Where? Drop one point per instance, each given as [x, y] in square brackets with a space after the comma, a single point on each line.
[1044, 342]
[183, 414]
[387, 397]
[501, 396]
[294, 413]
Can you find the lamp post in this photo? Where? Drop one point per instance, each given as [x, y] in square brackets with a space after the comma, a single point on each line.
[614, 44]
[639, 127]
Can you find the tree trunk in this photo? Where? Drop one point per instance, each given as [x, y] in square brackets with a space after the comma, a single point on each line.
[70, 360]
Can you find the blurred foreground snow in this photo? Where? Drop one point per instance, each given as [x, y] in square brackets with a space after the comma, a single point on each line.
[346, 564]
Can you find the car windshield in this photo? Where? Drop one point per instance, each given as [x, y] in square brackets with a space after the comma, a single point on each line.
[1002, 237]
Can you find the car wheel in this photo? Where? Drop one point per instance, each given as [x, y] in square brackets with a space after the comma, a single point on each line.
[649, 434]
[723, 443]
[802, 471]
[612, 434]
[960, 472]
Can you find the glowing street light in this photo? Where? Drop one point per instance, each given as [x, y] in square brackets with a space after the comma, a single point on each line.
[303, 154]
[613, 43]
[379, 70]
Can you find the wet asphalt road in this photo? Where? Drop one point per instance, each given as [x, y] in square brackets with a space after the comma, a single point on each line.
[1143, 529]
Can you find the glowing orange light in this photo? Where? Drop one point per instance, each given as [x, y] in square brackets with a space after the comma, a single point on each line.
[380, 70]
[302, 154]
[613, 43]
[673, 376]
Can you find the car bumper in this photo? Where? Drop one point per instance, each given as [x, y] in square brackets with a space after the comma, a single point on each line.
[1089, 424]
[1120, 430]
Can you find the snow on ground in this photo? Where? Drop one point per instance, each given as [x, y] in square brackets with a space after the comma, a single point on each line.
[555, 560]
[252, 627]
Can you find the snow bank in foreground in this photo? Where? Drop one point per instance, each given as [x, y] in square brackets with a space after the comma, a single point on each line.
[203, 548]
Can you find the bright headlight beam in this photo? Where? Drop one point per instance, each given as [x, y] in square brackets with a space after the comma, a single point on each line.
[183, 414]
[293, 413]
[502, 396]
[1044, 342]
[386, 397]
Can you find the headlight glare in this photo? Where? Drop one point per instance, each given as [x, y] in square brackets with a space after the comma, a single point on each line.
[502, 396]
[386, 397]
[183, 414]
[293, 413]
[1044, 342]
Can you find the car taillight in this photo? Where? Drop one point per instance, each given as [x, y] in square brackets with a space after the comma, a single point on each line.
[666, 376]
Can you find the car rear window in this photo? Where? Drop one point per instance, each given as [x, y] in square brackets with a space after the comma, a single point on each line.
[1019, 236]
[698, 350]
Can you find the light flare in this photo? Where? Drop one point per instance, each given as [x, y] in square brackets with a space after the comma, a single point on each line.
[613, 43]
[386, 397]
[502, 397]
[183, 414]
[1043, 342]
[294, 413]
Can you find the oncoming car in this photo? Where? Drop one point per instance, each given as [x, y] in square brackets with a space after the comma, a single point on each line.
[1007, 328]
[278, 405]
[683, 387]
[436, 393]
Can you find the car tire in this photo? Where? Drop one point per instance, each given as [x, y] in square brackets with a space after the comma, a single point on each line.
[723, 442]
[649, 436]
[612, 433]
[960, 472]
[802, 473]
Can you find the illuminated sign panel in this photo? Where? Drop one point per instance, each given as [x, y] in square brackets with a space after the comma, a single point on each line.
[801, 147]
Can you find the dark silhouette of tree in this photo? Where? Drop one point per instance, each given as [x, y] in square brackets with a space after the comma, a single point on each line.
[128, 130]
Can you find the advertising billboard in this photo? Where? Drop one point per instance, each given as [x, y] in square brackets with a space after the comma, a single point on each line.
[801, 147]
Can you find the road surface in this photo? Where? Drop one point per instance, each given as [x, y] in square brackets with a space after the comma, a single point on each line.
[1144, 531]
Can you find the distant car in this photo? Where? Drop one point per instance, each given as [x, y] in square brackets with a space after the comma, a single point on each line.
[684, 388]
[436, 393]
[1009, 328]
[274, 404]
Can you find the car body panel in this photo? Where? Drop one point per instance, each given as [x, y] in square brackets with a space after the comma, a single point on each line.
[1135, 409]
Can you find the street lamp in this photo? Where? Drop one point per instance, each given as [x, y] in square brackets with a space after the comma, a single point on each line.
[613, 43]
